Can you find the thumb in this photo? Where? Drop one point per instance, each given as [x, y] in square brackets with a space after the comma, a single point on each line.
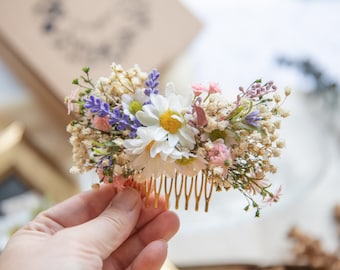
[112, 227]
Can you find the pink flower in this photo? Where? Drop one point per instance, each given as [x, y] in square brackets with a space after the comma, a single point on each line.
[198, 89]
[70, 99]
[214, 88]
[118, 181]
[219, 154]
[275, 197]
[101, 123]
[201, 118]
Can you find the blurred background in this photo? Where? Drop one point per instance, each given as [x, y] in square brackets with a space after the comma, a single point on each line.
[292, 42]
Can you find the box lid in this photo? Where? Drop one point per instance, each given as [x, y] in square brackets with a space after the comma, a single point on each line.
[47, 42]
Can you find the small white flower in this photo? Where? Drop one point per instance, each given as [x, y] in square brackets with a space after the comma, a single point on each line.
[102, 81]
[163, 134]
[166, 116]
[153, 167]
[152, 157]
[75, 170]
[190, 165]
[133, 103]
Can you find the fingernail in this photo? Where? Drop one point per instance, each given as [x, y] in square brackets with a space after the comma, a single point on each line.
[164, 243]
[126, 199]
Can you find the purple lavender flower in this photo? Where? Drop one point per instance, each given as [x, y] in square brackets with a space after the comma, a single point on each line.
[253, 118]
[116, 117]
[133, 128]
[105, 162]
[152, 83]
[257, 90]
[120, 119]
[123, 122]
[96, 105]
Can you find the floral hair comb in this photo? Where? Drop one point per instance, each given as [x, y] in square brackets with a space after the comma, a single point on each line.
[172, 146]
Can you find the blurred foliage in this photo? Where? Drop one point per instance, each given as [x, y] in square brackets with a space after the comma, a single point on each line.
[324, 86]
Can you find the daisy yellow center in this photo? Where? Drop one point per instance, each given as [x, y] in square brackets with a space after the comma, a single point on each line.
[169, 122]
[185, 161]
[217, 134]
[135, 106]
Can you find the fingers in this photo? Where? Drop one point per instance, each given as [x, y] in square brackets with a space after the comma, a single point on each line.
[79, 208]
[150, 212]
[163, 226]
[152, 257]
[112, 227]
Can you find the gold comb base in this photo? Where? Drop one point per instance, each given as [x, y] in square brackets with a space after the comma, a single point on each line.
[199, 186]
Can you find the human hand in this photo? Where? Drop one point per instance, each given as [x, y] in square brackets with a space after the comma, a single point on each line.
[94, 230]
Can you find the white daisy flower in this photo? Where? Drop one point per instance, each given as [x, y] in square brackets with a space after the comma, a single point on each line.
[165, 115]
[152, 157]
[190, 165]
[133, 103]
[163, 133]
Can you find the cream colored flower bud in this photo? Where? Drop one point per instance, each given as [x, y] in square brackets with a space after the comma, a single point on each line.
[262, 152]
[74, 170]
[274, 137]
[136, 81]
[288, 91]
[277, 124]
[259, 174]
[273, 169]
[280, 144]
[226, 185]
[262, 109]
[284, 113]
[218, 171]
[118, 169]
[244, 146]
[276, 152]
[277, 98]
[118, 68]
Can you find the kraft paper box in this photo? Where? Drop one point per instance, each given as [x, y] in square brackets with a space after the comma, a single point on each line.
[47, 42]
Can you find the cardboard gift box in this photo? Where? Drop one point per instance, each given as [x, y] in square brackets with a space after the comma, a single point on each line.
[47, 42]
[20, 157]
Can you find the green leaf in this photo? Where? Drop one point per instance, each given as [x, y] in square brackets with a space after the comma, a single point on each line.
[110, 143]
[74, 122]
[236, 112]
[98, 151]
[240, 125]
[86, 69]
[75, 81]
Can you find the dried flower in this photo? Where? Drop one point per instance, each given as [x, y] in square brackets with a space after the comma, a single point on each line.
[130, 134]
